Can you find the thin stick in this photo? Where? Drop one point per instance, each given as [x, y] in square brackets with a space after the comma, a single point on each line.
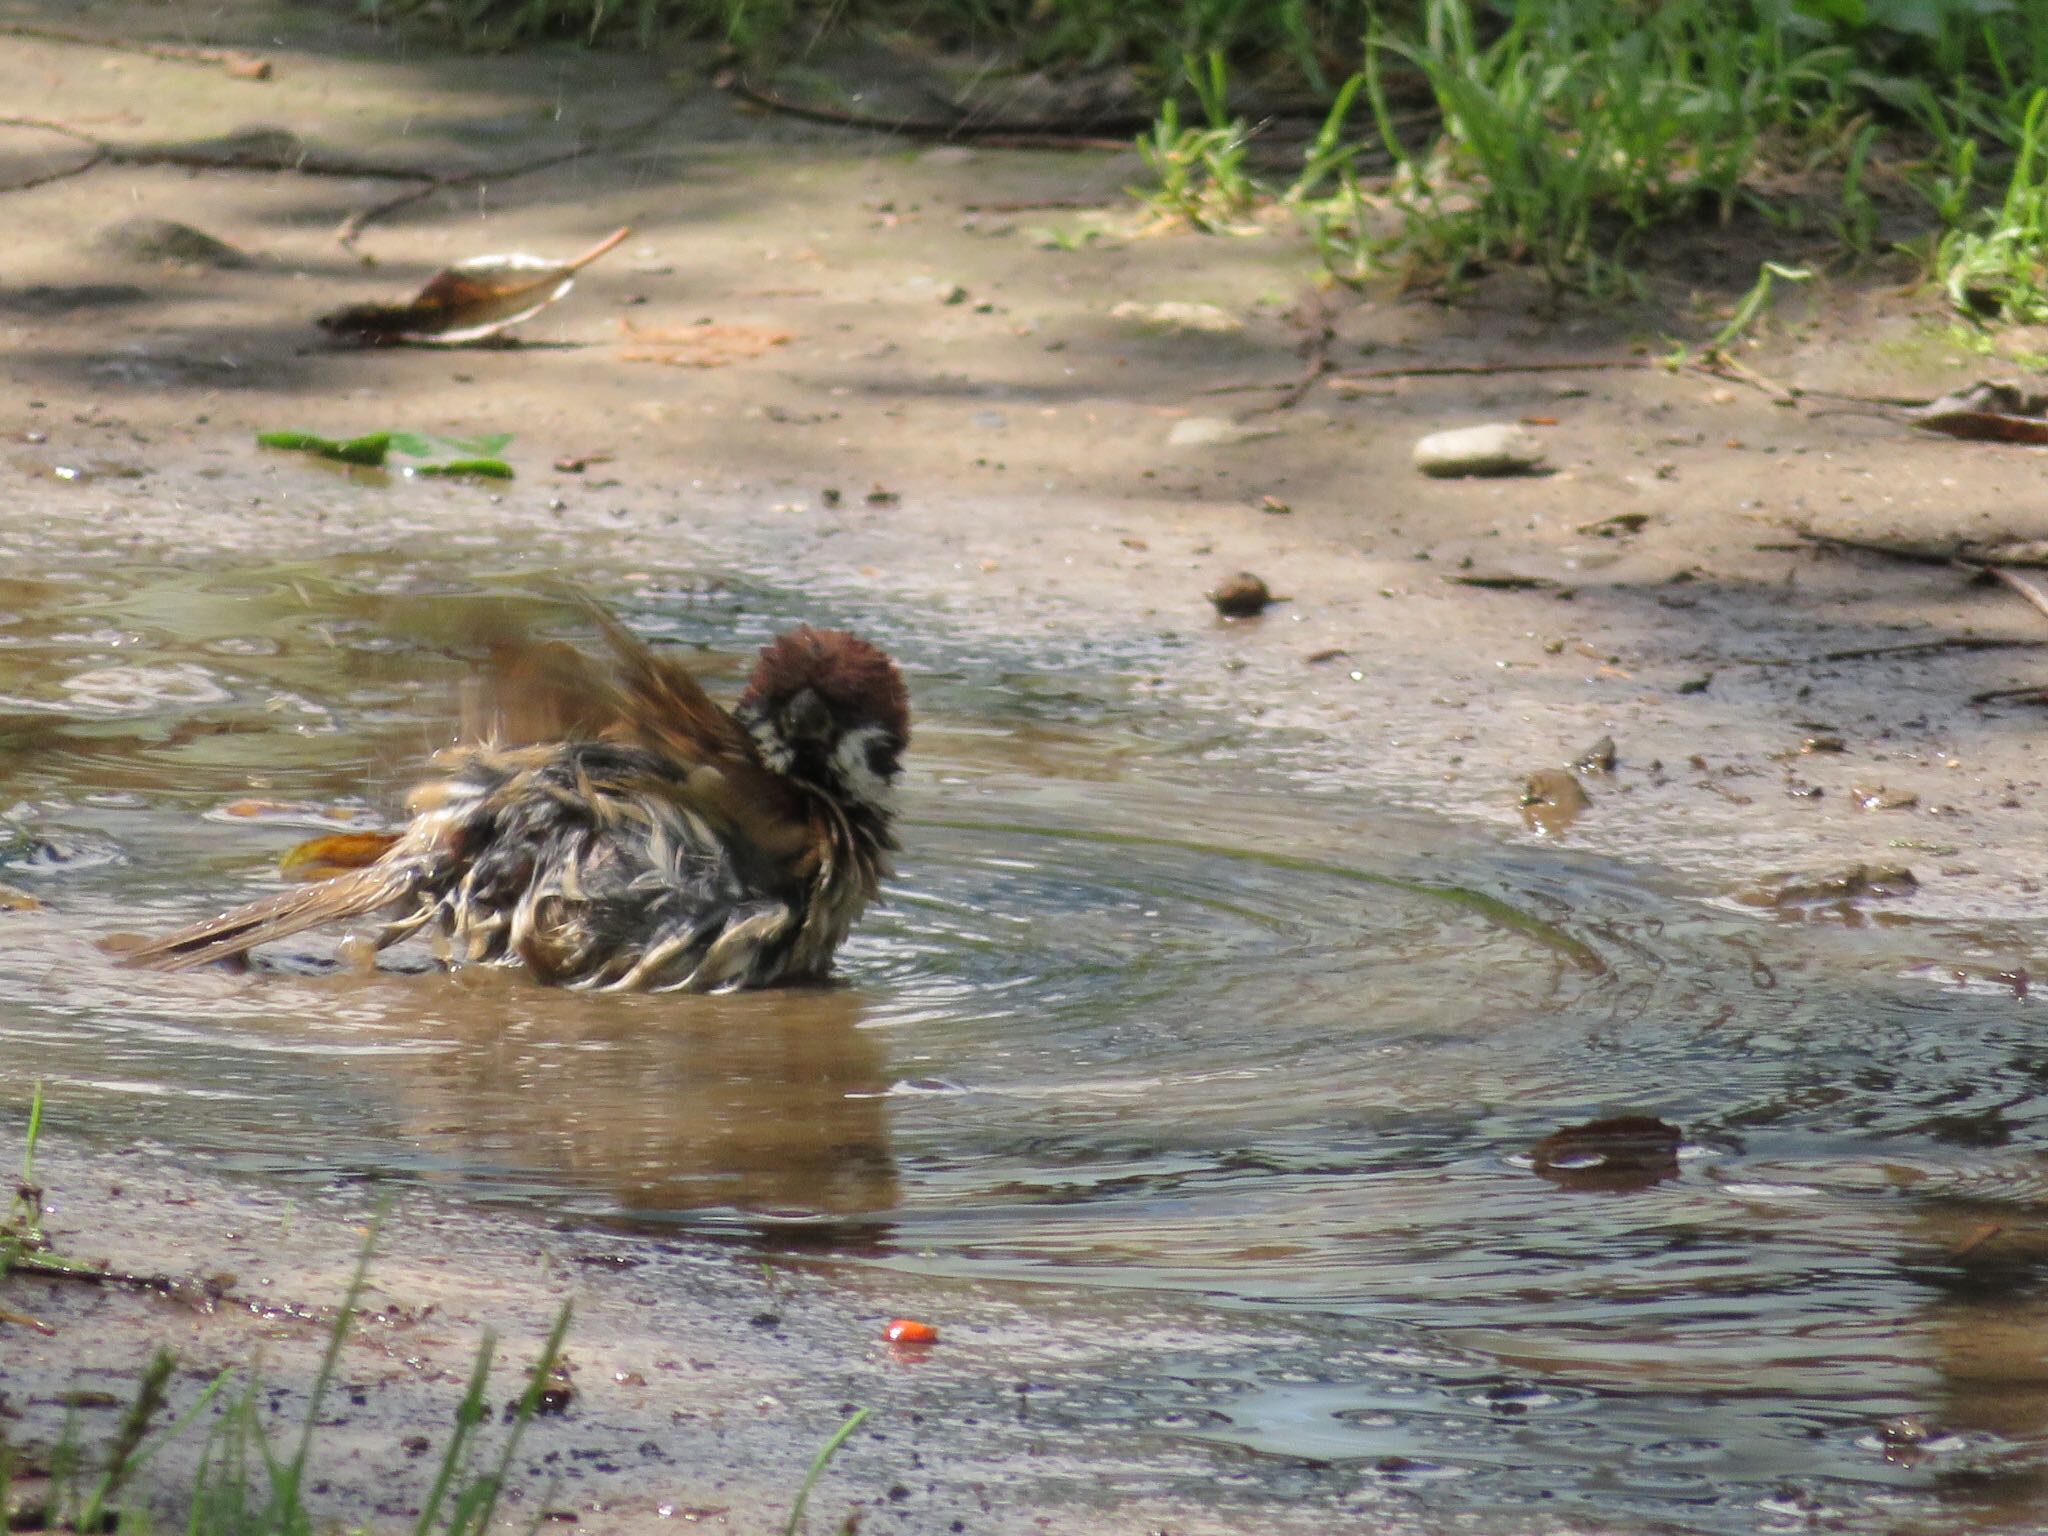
[23, 1320]
[1464, 370]
[91, 161]
[1319, 332]
[1923, 647]
[1720, 365]
[998, 135]
[1041, 205]
[2032, 588]
[261, 152]
[44, 1268]
[353, 226]
[175, 53]
[1914, 555]
[2032, 693]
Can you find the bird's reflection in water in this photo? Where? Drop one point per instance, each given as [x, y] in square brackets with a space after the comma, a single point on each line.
[763, 1113]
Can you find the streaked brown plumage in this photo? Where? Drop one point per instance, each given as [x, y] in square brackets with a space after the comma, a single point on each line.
[660, 842]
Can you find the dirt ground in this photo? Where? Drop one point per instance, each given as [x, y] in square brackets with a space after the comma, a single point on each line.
[946, 407]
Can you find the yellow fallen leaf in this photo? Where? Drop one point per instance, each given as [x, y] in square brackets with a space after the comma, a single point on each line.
[319, 857]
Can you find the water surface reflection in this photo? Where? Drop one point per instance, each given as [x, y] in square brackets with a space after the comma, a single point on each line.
[1125, 1021]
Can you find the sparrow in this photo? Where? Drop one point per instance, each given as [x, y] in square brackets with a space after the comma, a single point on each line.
[658, 843]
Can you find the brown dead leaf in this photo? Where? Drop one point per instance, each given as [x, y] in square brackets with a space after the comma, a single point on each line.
[469, 301]
[697, 346]
[1623, 1153]
[320, 857]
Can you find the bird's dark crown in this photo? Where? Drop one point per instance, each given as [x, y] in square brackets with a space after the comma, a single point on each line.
[829, 710]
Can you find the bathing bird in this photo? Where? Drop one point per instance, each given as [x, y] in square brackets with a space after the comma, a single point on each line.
[657, 842]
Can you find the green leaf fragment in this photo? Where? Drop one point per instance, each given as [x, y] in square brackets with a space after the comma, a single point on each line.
[489, 469]
[368, 449]
[426, 445]
[433, 455]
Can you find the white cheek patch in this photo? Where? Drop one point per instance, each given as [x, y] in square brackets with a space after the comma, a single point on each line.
[850, 766]
[775, 752]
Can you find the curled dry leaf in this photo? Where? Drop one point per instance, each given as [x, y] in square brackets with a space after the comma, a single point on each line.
[1988, 412]
[1626, 1152]
[696, 346]
[469, 301]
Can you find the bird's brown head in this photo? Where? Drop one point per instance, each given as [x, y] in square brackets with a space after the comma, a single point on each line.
[829, 710]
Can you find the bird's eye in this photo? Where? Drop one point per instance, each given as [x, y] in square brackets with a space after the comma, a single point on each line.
[882, 755]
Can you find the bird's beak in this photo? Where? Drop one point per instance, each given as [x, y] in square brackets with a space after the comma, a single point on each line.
[807, 718]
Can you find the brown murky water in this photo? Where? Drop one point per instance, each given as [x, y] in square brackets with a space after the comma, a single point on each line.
[1139, 1013]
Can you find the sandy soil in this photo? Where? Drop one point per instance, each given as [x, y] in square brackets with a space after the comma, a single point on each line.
[956, 353]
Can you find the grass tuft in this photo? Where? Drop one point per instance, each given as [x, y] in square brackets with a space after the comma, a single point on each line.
[243, 1485]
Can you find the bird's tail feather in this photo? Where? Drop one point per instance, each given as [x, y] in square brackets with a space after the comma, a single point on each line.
[234, 933]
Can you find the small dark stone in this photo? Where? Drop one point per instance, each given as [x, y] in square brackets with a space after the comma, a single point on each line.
[1243, 596]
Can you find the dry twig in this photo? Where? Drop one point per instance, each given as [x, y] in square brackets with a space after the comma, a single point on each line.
[244, 65]
[994, 134]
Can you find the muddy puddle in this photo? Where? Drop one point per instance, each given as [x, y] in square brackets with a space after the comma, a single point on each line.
[1134, 1018]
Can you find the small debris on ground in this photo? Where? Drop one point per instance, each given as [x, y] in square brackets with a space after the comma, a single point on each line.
[1598, 758]
[1852, 883]
[1623, 1152]
[1617, 526]
[1552, 799]
[1501, 583]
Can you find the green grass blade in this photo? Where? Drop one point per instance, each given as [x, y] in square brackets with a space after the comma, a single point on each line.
[529, 1406]
[469, 1413]
[818, 1463]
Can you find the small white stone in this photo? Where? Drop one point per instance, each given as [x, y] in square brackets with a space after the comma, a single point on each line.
[1497, 448]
